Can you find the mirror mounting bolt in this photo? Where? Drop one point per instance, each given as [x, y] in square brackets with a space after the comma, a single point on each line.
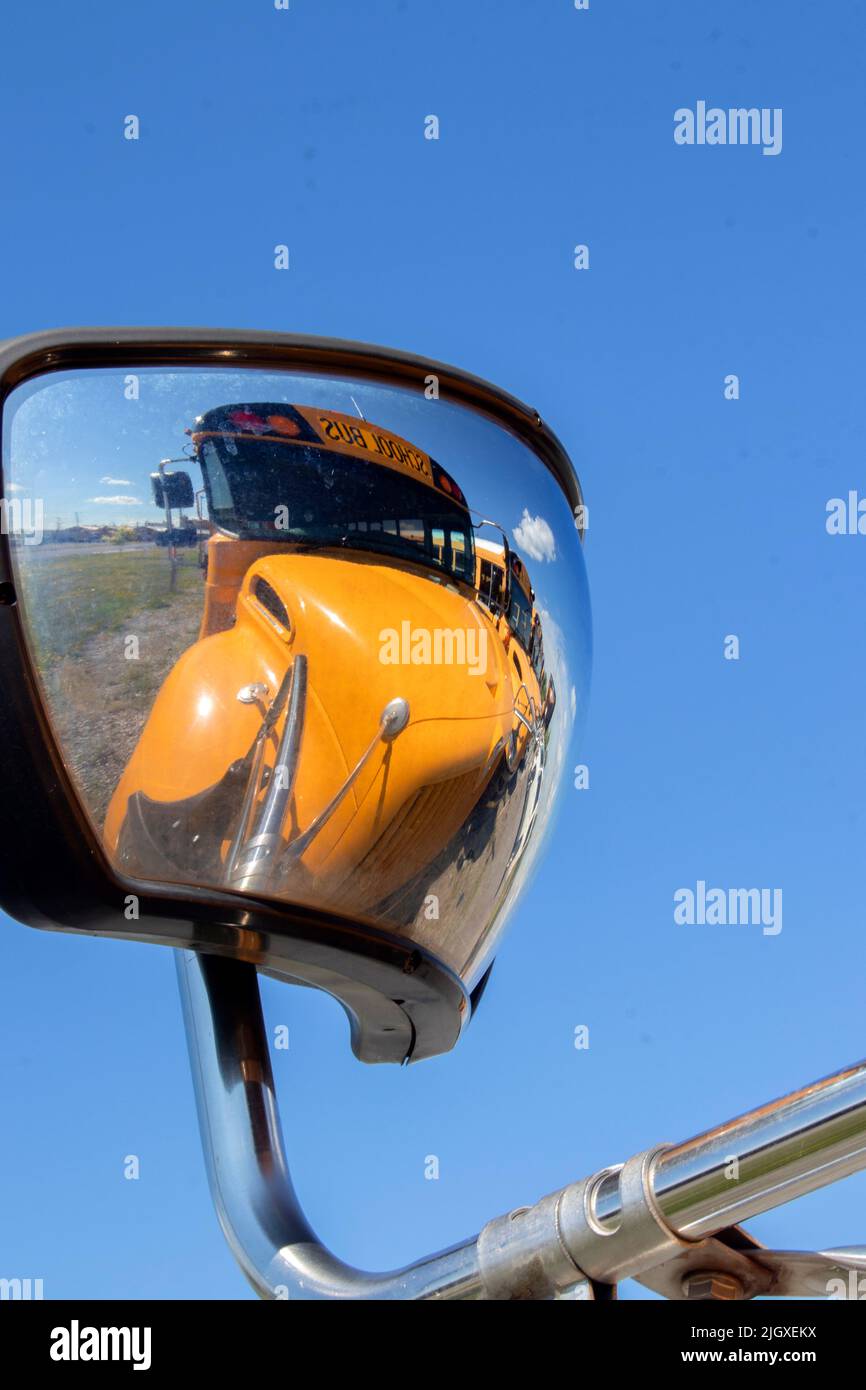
[709, 1284]
[250, 694]
[395, 717]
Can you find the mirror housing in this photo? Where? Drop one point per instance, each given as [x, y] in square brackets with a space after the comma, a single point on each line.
[402, 1001]
[172, 489]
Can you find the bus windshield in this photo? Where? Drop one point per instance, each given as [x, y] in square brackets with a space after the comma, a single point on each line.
[263, 489]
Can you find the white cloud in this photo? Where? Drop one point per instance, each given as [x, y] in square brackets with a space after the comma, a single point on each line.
[15, 487]
[119, 501]
[116, 482]
[535, 537]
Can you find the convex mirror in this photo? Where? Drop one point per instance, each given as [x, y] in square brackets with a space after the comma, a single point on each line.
[304, 638]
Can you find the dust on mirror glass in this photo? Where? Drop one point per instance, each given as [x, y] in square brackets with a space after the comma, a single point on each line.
[314, 639]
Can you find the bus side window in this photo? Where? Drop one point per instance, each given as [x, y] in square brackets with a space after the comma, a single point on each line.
[460, 558]
[437, 538]
[490, 585]
[412, 530]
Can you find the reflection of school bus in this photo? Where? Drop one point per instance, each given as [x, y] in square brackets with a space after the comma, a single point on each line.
[349, 698]
[550, 702]
[503, 586]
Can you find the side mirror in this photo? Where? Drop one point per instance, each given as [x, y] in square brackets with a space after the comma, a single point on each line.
[172, 490]
[331, 754]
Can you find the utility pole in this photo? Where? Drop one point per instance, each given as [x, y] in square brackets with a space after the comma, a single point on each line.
[172, 548]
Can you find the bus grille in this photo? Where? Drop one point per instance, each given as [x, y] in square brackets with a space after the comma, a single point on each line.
[414, 838]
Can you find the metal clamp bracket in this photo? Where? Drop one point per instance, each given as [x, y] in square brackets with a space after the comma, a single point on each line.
[664, 1217]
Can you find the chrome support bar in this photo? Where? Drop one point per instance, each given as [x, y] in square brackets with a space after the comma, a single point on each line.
[392, 721]
[254, 866]
[252, 1191]
[254, 694]
[623, 1221]
[812, 1137]
[512, 749]
[771, 1155]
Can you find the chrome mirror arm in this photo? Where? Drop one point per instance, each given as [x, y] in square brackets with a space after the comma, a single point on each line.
[249, 1179]
[654, 1218]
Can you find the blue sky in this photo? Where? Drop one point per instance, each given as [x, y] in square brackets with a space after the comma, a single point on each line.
[707, 517]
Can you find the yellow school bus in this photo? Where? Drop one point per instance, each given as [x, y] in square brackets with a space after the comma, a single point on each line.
[503, 586]
[352, 693]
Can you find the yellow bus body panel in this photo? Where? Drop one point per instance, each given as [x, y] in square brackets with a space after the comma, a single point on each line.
[345, 612]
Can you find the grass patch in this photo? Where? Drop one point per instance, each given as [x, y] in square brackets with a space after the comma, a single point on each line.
[70, 598]
[78, 607]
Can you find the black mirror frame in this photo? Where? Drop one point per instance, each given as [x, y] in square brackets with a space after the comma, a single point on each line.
[402, 1003]
[174, 489]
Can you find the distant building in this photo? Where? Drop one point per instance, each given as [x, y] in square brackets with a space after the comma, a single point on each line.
[80, 533]
[152, 532]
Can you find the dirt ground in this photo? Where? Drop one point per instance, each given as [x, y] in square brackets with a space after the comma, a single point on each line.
[99, 697]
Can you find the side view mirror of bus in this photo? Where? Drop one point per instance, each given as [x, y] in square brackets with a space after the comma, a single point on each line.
[333, 740]
[172, 490]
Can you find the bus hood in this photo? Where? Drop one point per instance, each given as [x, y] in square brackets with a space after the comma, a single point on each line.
[370, 632]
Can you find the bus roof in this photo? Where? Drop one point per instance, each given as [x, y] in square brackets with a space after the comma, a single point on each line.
[326, 429]
[491, 550]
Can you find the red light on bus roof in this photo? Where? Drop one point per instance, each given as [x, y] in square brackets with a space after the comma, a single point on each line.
[260, 424]
[448, 485]
[283, 424]
[247, 420]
